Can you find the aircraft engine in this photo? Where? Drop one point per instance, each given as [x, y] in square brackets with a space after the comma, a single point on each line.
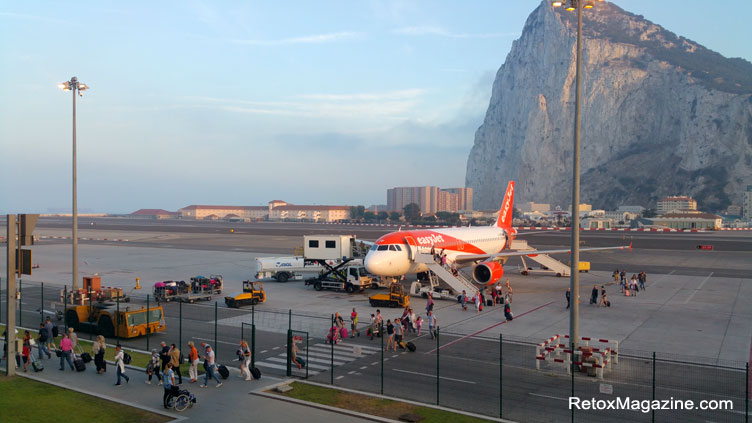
[488, 272]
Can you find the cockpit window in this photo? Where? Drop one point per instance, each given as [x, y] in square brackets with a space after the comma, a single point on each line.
[398, 247]
[383, 247]
[374, 247]
[392, 248]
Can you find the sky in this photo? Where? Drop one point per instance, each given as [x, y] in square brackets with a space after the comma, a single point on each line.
[240, 103]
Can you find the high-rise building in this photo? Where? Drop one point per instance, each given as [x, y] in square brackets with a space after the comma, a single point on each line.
[681, 202]
[430, 199]
[747, 206]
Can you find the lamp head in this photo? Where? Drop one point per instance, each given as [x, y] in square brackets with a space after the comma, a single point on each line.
[557, 3]
[65, 86]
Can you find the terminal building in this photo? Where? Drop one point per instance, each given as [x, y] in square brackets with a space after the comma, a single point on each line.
[202, 212]
[276, 210]
[681, 202]
[747, 205]
[688, 219]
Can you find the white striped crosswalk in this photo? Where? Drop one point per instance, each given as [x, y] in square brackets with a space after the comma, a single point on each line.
[319, 357]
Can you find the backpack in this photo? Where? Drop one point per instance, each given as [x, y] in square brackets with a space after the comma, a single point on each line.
[126, 358]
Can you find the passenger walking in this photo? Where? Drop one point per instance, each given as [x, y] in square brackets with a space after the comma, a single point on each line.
[429, 304]
[642, 278]
[42, 341]
[594, 295]
[603, 296]
[509, 293]
[412, 324]
[389, 335]
[193, 360]
[463, 300]
[569, 296]
[633, 283]
[170, 387]
[50, 334]
[398, 331]
[66, 349]
[499, 293]
[432, 324]
[354, 323]
[508, 312]
[294, 352]
[26, 350]
[476, 298]
[97, 350]
[153, 367]
[244, 355]
[120, 364]
[418, 324]
[164, 355]
[616, 275]
[175, 358]
[211, 367]
[623, 276]
[73, 337]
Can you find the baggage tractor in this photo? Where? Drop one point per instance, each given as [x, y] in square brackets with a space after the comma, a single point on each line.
[256, 372]
[223, 371]
[411, 347]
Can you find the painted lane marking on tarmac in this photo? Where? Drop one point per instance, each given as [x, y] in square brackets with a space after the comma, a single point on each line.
[374, 363]
[275, 348]
[262, 352]
[434, 376]
[364, 367]
[547, 396]
[218, 342]
[698, 288]
[488, 328]
[339, 377]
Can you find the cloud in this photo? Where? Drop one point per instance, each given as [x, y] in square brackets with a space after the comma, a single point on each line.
[388, 95]
[435, 30]
[306, 39]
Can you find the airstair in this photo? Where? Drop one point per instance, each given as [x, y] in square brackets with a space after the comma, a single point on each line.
[457, 283]
[548, 263]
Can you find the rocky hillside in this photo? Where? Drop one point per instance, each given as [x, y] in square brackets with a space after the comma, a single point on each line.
[662, 115]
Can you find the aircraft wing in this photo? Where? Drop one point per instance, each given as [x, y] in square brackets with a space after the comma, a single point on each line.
[462, 259]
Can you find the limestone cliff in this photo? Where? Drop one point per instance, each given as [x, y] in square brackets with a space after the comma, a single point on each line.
[661, 115]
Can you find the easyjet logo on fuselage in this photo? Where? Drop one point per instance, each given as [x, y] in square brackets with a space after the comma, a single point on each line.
[507, 203]
[432, 239]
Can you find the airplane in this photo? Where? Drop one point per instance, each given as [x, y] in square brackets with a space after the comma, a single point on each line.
[393, 254]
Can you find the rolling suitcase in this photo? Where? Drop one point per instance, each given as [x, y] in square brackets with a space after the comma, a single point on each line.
[402, 345]
[411, 347]
[489, 303]
[223, 371]
[36, 364]
[343, 332]
[256, 372]
[79, 365]
[608, 303]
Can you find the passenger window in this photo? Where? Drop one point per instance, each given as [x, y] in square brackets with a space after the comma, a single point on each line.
[383, 247]
[330, 244]
[313, 243]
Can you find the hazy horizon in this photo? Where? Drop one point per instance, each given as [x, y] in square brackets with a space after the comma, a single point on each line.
[239, 104]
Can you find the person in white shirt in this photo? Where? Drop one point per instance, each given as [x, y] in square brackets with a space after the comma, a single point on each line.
[211, 367]
[120, 364]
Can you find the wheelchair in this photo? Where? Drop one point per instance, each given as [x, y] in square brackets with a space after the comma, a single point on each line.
[180, 401]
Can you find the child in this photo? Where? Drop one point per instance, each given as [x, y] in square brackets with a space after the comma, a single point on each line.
[26, 353]
[418, 324]
[153, 367]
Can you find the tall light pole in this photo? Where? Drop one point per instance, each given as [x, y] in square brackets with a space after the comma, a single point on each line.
[73, 85]
[574, 271]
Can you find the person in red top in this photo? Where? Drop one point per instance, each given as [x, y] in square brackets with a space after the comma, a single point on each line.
[26, 350]
[66, 348]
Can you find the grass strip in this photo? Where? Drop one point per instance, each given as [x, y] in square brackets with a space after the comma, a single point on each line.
[391, 409]
[21, 399]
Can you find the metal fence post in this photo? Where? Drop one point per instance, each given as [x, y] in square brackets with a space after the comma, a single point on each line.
[148, 328]
[306, 355]
[331, 373]
[437, 365]
[574, 366]
[746, 397]
[215, 328]
[41, 305]
[65, 307]
[91, 311]
[501, 374]
[180, 323]
[20, 304]
[652, 412]
[289, 353]
[253, 347]
[289, 319]
[382, 362]
[117, 319]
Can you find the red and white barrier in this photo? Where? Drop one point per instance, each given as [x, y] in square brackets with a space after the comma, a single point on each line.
[554, 350]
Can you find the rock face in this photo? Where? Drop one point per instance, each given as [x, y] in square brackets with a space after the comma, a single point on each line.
[661, 115]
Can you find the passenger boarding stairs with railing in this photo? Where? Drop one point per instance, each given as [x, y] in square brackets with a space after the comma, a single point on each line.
[457, 283]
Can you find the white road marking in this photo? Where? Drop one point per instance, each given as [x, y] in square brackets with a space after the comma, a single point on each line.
[364, 367]
[698, 288]
[339, 377]
[218, 342]
[433, 376]
[275, 348]
[547, 396]
[262, 352]
[374, 363]
[283, 360]
[351, 372]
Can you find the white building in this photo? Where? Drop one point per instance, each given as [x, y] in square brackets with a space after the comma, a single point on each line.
[680, 202]
[747, 205]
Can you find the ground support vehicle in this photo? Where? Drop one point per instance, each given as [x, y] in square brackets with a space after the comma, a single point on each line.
[210, 285]
[253, 293]
[345, 276]
[192, 297]
[284, 268]
[103, 318]
[397, 297]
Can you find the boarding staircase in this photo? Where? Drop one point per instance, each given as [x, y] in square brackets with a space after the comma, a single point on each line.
[457, 283]
[547, 262]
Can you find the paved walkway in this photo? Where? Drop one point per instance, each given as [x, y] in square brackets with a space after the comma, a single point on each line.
[231, 402]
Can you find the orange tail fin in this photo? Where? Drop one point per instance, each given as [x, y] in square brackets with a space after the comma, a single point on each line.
[507, 208]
